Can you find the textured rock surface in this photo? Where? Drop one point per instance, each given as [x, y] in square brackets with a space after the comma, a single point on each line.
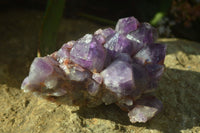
[19, 112]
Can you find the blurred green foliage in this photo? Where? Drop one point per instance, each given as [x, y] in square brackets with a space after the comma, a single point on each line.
[108, 12]
[163, 10]
[49, 29]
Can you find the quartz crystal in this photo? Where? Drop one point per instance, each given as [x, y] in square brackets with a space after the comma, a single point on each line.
[126, 25]
[121, 66]
[118, 78]
[118, 43]
[88, 53]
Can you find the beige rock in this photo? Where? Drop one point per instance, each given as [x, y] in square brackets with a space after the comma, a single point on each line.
[179, 88]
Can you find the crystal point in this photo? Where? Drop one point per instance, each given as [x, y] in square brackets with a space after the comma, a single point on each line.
[118, 44]
[88, 53]
[118, 78]
[121, 66]
[126, 25]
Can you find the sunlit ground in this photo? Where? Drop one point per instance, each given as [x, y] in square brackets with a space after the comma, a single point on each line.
[19, 112]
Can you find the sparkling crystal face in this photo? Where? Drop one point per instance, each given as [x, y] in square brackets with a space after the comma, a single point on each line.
[127, 25]
[88, 53]
[118, 77]
[117, 44]
[121, 66]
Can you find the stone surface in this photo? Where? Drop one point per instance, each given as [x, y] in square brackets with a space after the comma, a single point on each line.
[20, 112]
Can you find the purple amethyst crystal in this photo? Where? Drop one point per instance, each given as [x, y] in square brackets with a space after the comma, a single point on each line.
[126, 25]
[63, 52]
[118, 78]
[88, 53]
[93, 88]
[118, 43]
[105, 33]
[144, 35]
[121, 66]
[145, 108]
[154, 53]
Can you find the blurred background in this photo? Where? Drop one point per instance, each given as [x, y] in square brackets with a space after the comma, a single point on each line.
[30, 28]
[173, 18]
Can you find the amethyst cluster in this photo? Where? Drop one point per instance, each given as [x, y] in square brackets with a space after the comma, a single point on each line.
[120, 66]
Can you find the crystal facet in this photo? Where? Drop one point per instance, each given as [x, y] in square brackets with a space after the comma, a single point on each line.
[88, 53]
[126, 25]
[121, 66]
[118, 44]
[118, 78]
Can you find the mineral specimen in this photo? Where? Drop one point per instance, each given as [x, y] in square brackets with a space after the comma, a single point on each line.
[120, 66]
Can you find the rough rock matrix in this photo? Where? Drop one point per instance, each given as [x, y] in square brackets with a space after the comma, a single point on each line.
[120, 66]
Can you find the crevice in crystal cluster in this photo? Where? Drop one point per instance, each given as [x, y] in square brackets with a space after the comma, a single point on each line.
[121, 66]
